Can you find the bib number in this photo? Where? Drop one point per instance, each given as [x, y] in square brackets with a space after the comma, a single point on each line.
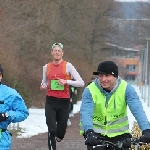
[55, 85]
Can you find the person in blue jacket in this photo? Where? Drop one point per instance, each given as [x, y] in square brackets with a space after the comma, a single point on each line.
[12, 109]
[103, 112]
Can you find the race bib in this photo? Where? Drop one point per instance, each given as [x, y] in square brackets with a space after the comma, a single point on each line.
[55, 85]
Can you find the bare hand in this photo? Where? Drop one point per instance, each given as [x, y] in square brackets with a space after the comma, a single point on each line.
[75, 92]
[43, 87]
[61, 81]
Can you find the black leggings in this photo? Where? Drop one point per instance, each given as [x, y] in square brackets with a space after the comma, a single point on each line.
[70, 107]
[56, 112]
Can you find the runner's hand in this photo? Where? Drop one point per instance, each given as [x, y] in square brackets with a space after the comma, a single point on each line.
[42, 87]
[61, 81]
[75, 92]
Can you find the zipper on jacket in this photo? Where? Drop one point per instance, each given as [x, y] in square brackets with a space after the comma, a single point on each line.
[105, 122]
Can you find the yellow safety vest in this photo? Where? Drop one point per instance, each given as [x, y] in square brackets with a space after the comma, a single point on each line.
[109, 119]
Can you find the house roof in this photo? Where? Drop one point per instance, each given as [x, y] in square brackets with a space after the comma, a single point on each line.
[123, 48]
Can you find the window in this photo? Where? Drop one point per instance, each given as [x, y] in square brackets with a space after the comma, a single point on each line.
[131, 68]
[131, 55]
[130, 77]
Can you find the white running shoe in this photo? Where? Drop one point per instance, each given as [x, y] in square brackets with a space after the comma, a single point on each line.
[71, 115]
[69, 122]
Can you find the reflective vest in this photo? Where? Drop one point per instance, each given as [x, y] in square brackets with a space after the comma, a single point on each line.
[109, 118]
[53, 72]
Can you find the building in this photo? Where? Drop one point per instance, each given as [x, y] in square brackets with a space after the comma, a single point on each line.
[128, 61]
[133, 23]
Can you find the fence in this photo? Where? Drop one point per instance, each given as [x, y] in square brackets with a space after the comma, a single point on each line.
[145, 93]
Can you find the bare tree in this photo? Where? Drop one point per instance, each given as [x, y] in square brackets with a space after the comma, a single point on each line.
[28, 29]
[88, 26]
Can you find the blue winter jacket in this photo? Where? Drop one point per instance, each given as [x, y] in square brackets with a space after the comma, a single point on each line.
[13, 104]
[132, 100]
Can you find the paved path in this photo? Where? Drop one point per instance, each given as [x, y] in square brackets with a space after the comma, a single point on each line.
[72, 140]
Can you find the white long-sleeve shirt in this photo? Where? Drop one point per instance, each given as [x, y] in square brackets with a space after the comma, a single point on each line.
[70, 70]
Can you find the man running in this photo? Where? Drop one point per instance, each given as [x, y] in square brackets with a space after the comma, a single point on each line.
[57, 79]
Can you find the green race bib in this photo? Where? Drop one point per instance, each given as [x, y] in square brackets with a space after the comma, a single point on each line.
[55, 85]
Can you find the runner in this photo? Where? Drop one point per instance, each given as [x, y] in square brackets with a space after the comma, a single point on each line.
[12, 109]
[56, 79]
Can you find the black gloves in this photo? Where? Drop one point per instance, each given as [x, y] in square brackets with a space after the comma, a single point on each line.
[91, 138]
[145, 136]
[3, 117]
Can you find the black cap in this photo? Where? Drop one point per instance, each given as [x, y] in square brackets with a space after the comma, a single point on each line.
[1, 70]
[107, 67]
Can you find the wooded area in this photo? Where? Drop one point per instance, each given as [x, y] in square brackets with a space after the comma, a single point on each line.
[30, 27]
